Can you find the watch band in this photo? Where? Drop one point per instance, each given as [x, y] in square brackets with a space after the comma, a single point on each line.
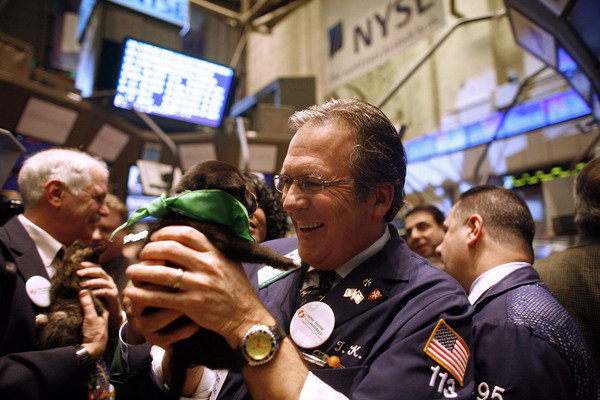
[86, 362]
[245, 356]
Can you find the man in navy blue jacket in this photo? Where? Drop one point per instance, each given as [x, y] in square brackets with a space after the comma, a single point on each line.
[392, 327]
[526, 346]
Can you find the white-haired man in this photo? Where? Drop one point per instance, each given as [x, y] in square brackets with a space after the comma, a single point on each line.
[63, 193]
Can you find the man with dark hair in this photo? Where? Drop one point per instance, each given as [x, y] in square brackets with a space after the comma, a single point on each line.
[425, 231]
[574, 274]
[388, 325]
[526, 345]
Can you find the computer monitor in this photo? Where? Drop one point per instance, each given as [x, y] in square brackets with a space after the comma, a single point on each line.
[166, 83]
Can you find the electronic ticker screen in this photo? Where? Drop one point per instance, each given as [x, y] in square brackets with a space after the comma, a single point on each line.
[166, 83]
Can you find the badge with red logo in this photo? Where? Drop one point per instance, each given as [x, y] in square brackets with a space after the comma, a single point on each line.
[375, 294]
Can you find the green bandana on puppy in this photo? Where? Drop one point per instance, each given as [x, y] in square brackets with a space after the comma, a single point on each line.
[204, 205]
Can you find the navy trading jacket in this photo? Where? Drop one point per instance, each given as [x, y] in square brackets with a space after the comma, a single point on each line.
[386, 336]
[526, 346]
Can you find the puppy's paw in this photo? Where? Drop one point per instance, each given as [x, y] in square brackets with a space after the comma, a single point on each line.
[41, 319]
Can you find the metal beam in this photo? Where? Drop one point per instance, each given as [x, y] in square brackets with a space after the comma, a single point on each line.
[280, 12]
[461, 21]
[220, 11]
[253, 11]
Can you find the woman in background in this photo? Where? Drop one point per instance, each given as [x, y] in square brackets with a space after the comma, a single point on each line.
[269, 221]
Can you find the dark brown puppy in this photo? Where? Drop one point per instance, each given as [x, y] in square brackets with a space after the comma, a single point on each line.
[61, 326]
[206, 347]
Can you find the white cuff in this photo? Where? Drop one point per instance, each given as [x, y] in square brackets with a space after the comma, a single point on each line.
[316, 389]
[210, 383]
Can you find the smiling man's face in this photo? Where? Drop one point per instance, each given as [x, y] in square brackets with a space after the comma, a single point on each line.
[330, 225]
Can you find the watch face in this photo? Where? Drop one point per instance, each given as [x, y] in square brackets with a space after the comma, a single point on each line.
[259, 346]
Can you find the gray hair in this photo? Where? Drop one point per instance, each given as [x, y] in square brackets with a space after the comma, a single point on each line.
[587, 198]
[378, 155]
[70, 166]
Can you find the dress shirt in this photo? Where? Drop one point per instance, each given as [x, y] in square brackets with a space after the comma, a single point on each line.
[491, 277]
[46, 245]
[345, 269]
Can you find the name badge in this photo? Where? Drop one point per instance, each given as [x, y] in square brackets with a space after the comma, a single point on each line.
[38, 290]
[267, 274]
[312, 324]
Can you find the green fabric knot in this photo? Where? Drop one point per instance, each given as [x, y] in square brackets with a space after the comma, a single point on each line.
[204, 205]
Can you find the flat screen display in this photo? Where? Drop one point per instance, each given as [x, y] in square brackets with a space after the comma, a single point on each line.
[584, 20]
[173, 11]
[162, 82]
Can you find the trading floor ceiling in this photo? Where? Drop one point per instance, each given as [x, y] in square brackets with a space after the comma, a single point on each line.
[256, 13]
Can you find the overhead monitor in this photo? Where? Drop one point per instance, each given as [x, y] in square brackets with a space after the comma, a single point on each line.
[166, 83]
[583, 18]
[10, 150]
[86, 8]
[564, 35]
[173, 11]
[573, 74]
[157, 178]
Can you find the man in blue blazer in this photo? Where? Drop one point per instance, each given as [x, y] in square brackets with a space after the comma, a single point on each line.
[392, 325]
[525, 344]
[63, 194]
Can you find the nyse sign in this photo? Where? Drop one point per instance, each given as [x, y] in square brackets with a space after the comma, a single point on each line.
[365, 34]
[173, 11]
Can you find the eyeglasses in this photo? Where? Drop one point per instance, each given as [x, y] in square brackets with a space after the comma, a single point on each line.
[252, 205]
[308, 184]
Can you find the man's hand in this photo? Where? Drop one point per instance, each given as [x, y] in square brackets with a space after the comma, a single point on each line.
[214, 292]
[94, 328]
[102, 285]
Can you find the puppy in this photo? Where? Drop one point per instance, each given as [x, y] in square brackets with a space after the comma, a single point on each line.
[206, 347]
[61, 326]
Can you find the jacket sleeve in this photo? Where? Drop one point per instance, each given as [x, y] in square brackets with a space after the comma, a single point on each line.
[400, 368]
[41, 374]
[523, 358]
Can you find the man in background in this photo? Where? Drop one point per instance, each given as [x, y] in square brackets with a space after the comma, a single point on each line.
[112, 260]
[525, 344]
[574, 274]
[424, 232]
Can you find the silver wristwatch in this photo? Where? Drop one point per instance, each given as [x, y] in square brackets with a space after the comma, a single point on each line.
[259, 345]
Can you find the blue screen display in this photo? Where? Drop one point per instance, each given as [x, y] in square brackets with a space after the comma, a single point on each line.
[519, 119]
[173, 11]
[169, 84]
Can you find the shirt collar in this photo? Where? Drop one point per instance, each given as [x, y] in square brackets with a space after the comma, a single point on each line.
[491, 277]
[46, 245]
[346, 268]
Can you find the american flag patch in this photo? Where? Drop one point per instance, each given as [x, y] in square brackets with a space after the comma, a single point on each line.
[450, 351]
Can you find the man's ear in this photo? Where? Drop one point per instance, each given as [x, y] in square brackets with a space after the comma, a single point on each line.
[475, 228]
[54, 192]
[384, 195]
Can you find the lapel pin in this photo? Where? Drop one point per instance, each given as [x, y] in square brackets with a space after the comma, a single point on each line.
[375, 294]
[354, 294]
